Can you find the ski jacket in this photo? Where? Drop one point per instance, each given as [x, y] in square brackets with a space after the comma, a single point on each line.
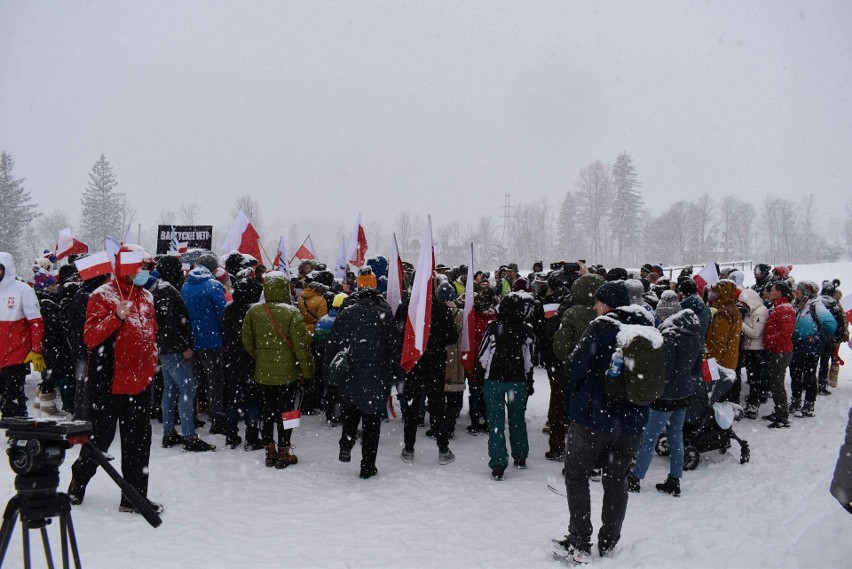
[134, 338]
[754, 324]
[576, 319]
[683, 346]
[174, 331]
[239, 364]
[695, 304]
[723, 335]
[778, 334]
[482, 317]
[205, 301]
[814, 327]
[506, 351]
[21, 324]
[312, 305]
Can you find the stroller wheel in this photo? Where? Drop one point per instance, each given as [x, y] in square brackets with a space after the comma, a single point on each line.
[691, 458]
[662, 446]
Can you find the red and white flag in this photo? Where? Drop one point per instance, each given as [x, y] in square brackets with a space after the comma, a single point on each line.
[340, 265]
[707, 276]
[395, 278]
[550, 309]
[282, 258]
[358, 246]
[468, 357]
[243, 237]
[111, 245]
[305, 252]
[419, 320]
[710, 370]
[177, 248]
[67, 245]
[94, 265]
[129, 263]
[291, 419]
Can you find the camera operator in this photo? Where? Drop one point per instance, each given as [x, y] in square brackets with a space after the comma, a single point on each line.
[121, 332]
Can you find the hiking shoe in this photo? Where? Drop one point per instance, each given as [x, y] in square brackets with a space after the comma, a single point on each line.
[407, 455]
[195, 444]
[445, 457]
[779, 424]
[750, 412]
[285, 457]
[770, 417]
[671, 486]
[795, 405]
[473, 430]
[521, 463]
[567, 550]
[76, 492]
[823, 391]
[131, 509]
[233, 440]
[252, 445]
[172, 439]
[555, 455]
[807, 410]
[345, 455]
[633, 483]
[368, 472]
[497, 472]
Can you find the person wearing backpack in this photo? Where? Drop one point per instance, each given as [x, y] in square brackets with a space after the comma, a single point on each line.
[602, 430]
[814, 327]
[683, 347]
[830, 353]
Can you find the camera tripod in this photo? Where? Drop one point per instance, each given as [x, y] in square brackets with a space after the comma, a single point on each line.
[37, 503]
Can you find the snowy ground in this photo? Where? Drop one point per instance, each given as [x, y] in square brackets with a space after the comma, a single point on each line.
[225, 509]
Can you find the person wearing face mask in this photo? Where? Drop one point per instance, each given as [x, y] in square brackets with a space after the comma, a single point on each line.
[121, 334]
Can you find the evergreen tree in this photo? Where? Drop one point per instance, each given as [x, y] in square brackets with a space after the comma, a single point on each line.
[105, 211]
[595, 195]
[16, 209]
[627, 208]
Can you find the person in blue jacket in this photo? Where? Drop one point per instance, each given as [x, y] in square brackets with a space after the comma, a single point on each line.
[815, 325]
[205, 301]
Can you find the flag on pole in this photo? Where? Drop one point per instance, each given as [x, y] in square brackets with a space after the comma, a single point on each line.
[707, 276]
[305, 252]
[129, 263]
[67, 245]
[282, 258]
[243, 237]
[419, 320]
[468, 357]
[395, 278]
[94, 265]
[111, 245]
[128, 238]
[177, 248]
[358, 246]
[340, 265]
[291, 419]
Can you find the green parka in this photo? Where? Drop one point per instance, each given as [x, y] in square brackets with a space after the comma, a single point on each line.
[275, 362]
[576, 319]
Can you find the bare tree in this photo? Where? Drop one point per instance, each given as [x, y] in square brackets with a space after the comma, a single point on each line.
[705, 228]
[189, 212]
[594, 193]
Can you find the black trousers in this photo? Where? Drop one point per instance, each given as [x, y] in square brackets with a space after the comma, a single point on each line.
[825, 364]
[13, 402]
[433, 385]
[614, 452]
[369, 433]
[778, 364]
[276, 400]
[757, 372]
[803, 376]
[209, 371]
[132, 415]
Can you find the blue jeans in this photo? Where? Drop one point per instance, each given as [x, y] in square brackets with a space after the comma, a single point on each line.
[656, 422]
[178, 385]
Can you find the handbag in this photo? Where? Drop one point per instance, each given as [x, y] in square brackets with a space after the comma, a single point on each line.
[338, 368]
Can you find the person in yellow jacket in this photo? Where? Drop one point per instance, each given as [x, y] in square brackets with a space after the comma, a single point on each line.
[312, 305]
[726, 326]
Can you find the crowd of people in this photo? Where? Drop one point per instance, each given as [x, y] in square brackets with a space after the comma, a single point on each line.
[227, 340]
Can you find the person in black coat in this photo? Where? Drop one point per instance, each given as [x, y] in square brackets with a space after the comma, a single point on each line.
[241, 391]
[428, 375]
[367, 329]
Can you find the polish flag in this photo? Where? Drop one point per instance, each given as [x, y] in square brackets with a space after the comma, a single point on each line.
[67, 245]
[707, 276]
[291, 419]
[710, 370]
[305, 250]
[94, 265]
[243, 237]
[358, 246]
[282, 258]
[550, 309]
[419, 320]
[468, 358]
[395, 278]
[340, 265]
[129, 263]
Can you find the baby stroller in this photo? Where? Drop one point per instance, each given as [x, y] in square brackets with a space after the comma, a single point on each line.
[708, 424]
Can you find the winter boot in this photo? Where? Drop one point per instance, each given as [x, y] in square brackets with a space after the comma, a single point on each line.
[127, 507]
[407, 455]
[233, 439]
[795, 405]
[285, 457]
[345, 454]
[76, 492]
[521, 463]
[823, 390]
[833, 375]
[750, 412]
[445, 457]
[497, 472]
[271, 455]
[47, 405]
[556, 455]
[779, 424]
[252, 439]
[807, 409]
[671, 486]
[195, 444]
[473, 430]
[217, 425]
[172, 439]
[367, 471]
[633, 483]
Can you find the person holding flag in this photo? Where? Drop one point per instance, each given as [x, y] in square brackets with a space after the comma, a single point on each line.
[121, 332]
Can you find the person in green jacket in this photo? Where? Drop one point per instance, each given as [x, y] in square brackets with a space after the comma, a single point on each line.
[575, 320]
[275, 336]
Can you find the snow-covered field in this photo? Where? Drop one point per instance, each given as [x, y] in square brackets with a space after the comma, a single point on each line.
[225, 509]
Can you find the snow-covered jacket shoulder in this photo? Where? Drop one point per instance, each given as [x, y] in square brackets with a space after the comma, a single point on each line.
[683, 346]
[754, 324]
[205, 301]
[21, 324]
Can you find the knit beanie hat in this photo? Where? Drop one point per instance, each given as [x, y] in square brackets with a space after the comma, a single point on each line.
[668, 305]
[338, 300]
[635, 289]
[613, 294]
[809, 288]
[42, 279]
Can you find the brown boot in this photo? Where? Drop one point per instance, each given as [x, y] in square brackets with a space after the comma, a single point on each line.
[271, 455]
[285, 457]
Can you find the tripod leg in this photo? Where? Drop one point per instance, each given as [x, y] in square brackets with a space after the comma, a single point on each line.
[66, 526]
[45, 540]
[10, 516]
[25, 535]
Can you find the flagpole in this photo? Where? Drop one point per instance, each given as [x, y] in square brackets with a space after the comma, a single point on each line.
[260, 244]
[300, 246]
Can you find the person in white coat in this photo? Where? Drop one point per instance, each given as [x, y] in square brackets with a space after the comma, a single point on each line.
[754, 355]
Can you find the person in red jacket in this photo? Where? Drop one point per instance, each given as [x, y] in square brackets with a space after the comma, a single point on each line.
[121, 333]
[778, 343]
[21, 334]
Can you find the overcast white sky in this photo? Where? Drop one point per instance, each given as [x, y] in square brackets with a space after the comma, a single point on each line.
[327, 108]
